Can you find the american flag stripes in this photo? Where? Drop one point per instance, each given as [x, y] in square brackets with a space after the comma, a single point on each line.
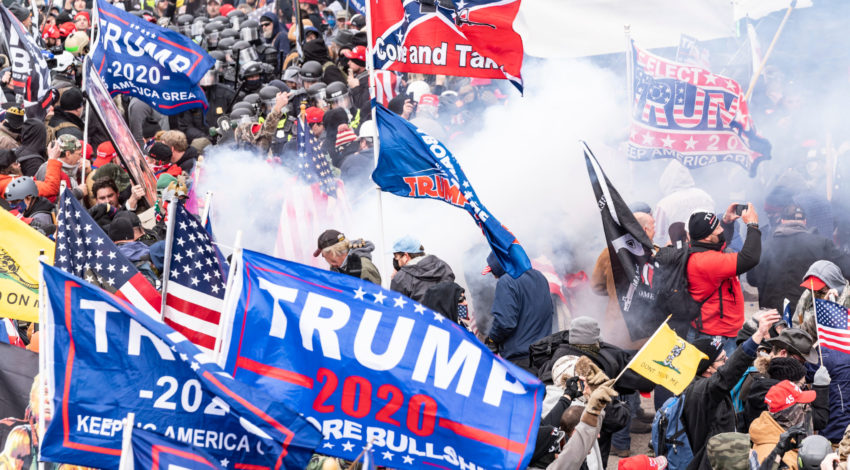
[84, 249]
[9, 333]
[833, 332]
[195, 288]
[386, 86]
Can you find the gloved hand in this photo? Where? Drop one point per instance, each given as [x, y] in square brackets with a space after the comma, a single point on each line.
[790, 439]
[594, 376]
[601, 397]
[822, 376]
[574, 388]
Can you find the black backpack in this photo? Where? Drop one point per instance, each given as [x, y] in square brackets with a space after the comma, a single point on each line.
[670, 284]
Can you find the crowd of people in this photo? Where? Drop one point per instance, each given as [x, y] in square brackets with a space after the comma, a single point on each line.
[768, 395]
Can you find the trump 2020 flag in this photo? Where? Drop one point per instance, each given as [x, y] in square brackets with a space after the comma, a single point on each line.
[413, 164]
[668, 360]
[372, 366]
[630, 250]
[470, 38]
[147, 450]
[30, 75]
[159, 66]
[688, 113]
[106, 359]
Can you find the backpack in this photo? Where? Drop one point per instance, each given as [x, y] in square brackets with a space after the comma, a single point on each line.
[668, 434]
[670, 284]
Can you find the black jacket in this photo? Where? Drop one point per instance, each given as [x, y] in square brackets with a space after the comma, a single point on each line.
[757, 390]
[610, 359]
[785, 259]
[414, 279]
[708, 408]
[188, 160]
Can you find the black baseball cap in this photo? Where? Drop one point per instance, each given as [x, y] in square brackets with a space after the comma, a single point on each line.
[328, 238]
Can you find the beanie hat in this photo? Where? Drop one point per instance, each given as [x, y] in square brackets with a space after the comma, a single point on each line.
[7, 158]
[702, 224]
[20, 12]
[164, 180]
[120, 229]
[584, 330]
[71, 99]
[711, 347]
[344, 135]
[14, 119]
[149, 128]
[786, 368]
[160, 152]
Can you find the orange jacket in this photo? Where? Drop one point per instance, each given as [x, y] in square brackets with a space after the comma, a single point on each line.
[47, 188]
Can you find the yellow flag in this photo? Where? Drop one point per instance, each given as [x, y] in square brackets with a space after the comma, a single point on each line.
[668, 360]
[19, 248]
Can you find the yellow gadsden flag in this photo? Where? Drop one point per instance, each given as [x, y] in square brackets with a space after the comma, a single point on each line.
[668, 360]
[19, 248]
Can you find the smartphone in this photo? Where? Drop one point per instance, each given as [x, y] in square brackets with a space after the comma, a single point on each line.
[739, 209]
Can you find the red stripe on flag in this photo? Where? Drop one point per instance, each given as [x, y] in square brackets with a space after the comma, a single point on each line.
[485, 437]
[196, 337]
[146, 290]
[274, 372]
[195, 310]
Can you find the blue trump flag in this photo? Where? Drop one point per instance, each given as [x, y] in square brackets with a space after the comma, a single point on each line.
[106, 359]
[413, 164]
[370, 365]
[150, 450]
[159, 66]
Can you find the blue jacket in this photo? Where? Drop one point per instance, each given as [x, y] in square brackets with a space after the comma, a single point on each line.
[839, 394]
[522, 311]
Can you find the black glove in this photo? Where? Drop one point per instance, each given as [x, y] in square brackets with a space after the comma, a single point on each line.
[790, 439]
[574, 388]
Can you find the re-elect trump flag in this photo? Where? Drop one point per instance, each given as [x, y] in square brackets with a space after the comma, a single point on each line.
[372, 366]
[159, 66]
[413, 164]
[148, 450]
[472, 38]
[668, 360]
[688, 113]
[106, 359]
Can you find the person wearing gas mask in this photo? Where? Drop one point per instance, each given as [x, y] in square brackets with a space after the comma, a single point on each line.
[713, 274]
[251, 75]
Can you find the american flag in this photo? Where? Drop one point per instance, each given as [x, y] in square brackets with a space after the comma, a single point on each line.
[313, 202]
[195, 289]
[84, 249]
[387, 86]
[833, 321]
[9, 333]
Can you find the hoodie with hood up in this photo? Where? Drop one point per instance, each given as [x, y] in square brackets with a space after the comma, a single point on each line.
[359, 264]
[681, 199]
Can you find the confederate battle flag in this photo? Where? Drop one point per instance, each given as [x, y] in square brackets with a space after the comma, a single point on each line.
[469, 38]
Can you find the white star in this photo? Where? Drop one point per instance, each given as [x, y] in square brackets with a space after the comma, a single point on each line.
[180, 241]
[710, 78]
[419, 308]
[399, 302]
[111, 268]
[184, 357]
[183, 226]
[400, 36]
[668, 142]
[190, 253]
[124, 269]
[195, 366]
[67, 200]
[387, 455]
[90, 278]
[195, 281]
[99, 240]
[347, 446]
[379, 297]
[215, 289]
[207, 277]
[62, 259]
[690, 143]
[199, 264]
[359, 293]
[187, 268]
[328, 445]
[648, 139]
[98, 266]
[98, 253]
[438, 318]
[88, 226]
[408, 460]
[225, 462]
[192, 236]
[110, 281]
[177, 257]
[111, 255]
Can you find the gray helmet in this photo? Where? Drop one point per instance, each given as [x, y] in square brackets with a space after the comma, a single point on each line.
[245, 52]
[226, 44]
[249, 69]
[813, 450]
[292, 74]
[229, 33]
[279, 85]
[311, 70]
[252, 98]
[184, 24]
[249, 31]
[21, 187]
[317, 90]
[358, 21]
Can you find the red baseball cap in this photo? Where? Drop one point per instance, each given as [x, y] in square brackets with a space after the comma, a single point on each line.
[65, 29]
[88, 151]
[314, 115]
[813, 282]
[105, 154]
[358, 53]
[225, 9]
[642, 462]
[784, 394]
[50, 31]
[429, 100]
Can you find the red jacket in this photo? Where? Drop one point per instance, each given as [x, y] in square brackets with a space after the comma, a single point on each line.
[712, 274]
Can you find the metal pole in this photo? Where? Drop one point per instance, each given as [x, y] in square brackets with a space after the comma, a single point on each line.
[127, 460]
[43, 354]
[769, 50]
[169, 245]
[205, 212]
[229, 295]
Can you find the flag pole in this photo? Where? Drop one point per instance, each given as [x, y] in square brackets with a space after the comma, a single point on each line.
[815, 308]
[637, 354]
[627, 29]
[235, 259]
[126, 462]
[376, 142]
[43, 353]
[769, 50]
[205, 212]
[169, 245]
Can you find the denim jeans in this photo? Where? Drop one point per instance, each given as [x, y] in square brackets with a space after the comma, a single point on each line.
[728, 341]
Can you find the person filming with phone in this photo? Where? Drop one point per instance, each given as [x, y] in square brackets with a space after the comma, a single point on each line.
[787, 254]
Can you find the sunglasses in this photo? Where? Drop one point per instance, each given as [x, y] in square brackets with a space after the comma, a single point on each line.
[316, 124]
[265, 24]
